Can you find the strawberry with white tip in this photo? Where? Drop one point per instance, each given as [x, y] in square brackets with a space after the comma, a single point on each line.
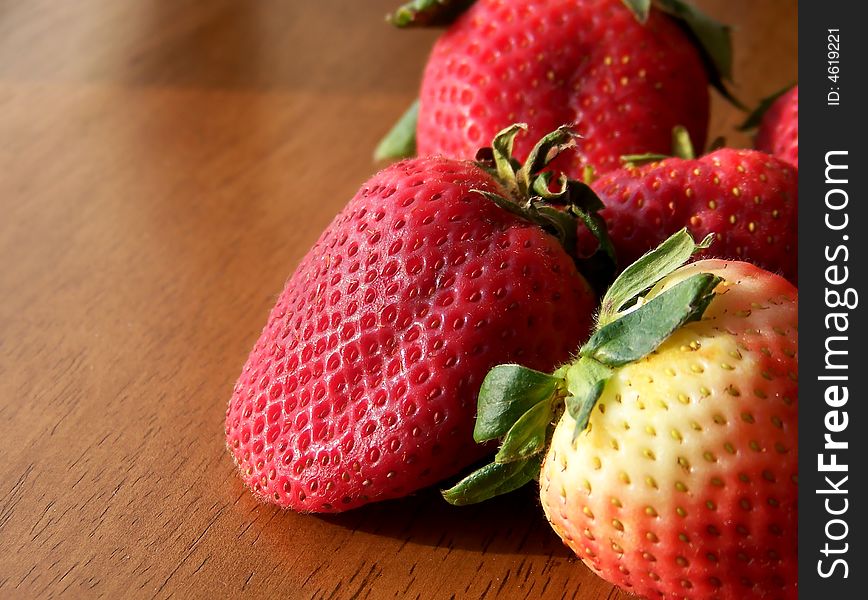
[672, 470]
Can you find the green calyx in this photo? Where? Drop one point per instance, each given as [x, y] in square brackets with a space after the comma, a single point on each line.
[554, 202]
[756, 116]
[521, 407]
[517, 405]
[400, 142]
[646, 272]
[428, 13]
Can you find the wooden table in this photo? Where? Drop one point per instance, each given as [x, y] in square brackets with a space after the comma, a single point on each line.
[163, 166]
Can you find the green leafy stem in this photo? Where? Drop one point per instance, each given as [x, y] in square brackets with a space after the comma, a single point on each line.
[521, 406]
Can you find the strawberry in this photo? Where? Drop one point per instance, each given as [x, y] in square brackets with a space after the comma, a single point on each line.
[778, 132]
[685, 481]
[747, 198]
[672, 472]
[362, 385]
[624, 81]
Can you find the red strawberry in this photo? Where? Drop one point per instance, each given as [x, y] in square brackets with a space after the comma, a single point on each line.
[778, 132]
[748, 199]
[673, 470]
[363, 383]
[625, 84]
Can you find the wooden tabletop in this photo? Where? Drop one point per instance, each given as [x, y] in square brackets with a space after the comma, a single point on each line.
[163, 167]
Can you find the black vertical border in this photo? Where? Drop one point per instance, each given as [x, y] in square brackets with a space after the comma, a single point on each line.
[824, 128]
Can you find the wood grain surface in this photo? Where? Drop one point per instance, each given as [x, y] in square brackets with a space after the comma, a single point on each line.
[164, 164]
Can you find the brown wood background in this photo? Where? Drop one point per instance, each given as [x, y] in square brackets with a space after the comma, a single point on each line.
[163, 166]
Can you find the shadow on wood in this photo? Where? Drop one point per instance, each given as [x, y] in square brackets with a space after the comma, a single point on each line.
[513, 523]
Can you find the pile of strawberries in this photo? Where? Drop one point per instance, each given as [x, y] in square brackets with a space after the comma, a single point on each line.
[464, 305]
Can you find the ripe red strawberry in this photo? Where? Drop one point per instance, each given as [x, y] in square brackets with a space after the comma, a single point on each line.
[778, 132]
[672, 473]
[363, 383]
[625, 84]
[748, 199]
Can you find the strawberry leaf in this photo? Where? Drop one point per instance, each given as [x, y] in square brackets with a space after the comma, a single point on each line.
[559, 223]
[630, 338]
[599, 267]
[583, 196]
[641, 331]
[639, 8]
[586, 380]
[543, 152]
[716, 144]
[712, 39]
[504, 163]
[754, 118]
[528, 436]
[428, 13]
[507, 393]
[400, 142]
[648, 270]
[493, 480]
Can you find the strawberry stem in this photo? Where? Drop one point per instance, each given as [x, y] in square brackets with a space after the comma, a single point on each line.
[682, 147]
